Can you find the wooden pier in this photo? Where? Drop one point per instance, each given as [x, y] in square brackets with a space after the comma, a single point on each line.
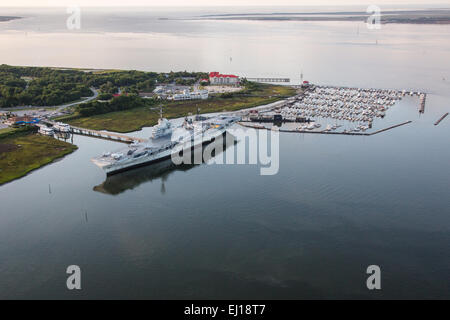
[249, 125]
[389, 128]
[269, 79]
[99, 134]
[106, 135]
[442, 118]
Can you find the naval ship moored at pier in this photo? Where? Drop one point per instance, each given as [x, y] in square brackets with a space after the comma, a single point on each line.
[166, 140]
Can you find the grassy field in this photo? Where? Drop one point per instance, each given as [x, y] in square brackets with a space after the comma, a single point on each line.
[135, 119]
[6, 131]
[22, 153]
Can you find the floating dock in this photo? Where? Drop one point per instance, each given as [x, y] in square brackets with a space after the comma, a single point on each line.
[442, 118]
[250, 125]
[277, 118]
[100, 134]
[392, 127]
[106, 135]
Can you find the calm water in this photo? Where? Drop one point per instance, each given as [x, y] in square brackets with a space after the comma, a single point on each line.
[338, 204]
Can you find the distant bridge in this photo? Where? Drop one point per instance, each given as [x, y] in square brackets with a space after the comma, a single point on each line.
[269, 79]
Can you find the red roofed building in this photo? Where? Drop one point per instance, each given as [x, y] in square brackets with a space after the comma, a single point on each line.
[227, 79]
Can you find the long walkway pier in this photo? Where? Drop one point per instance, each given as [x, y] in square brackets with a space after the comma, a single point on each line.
[269, 79]
[106, 135]
[99, 134]
[392, 127]
[251, 125]
[442, 118]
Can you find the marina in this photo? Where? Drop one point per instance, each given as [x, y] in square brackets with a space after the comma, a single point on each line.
[333, 110]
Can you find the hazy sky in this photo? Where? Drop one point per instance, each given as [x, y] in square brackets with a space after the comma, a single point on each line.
[14, 3]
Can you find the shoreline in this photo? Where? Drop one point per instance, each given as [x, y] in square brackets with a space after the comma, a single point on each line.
[132, 120]
[47, 150]
[174, 118]
[426, 16]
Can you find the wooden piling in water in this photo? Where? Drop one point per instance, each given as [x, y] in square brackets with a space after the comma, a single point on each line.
[423, 98]
[389, 128]
[442, 118]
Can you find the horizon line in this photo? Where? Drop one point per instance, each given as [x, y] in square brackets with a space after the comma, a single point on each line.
[235, 5]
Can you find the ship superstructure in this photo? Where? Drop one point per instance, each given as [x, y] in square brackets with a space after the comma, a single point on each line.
[164, 128]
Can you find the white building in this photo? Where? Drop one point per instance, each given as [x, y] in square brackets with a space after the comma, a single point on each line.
[158, 89]
[195, 95]
[215, 78]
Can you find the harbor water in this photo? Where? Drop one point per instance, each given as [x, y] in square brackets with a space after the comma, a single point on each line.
[338, 204]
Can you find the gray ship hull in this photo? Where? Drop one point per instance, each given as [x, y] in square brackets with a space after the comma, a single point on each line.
[160, 159]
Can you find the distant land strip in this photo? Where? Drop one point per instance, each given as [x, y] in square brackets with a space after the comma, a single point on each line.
[402, 17]
[345, 13]
[3, 19]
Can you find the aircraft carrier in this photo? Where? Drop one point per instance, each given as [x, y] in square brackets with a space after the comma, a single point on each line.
[166, 140]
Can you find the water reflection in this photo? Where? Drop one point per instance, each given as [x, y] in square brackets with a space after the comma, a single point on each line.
[129, 180]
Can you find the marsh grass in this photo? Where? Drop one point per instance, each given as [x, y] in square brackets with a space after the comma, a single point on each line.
[26, 152]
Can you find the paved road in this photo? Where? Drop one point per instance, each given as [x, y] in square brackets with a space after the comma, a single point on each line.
[61, 108]
[50, 111]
